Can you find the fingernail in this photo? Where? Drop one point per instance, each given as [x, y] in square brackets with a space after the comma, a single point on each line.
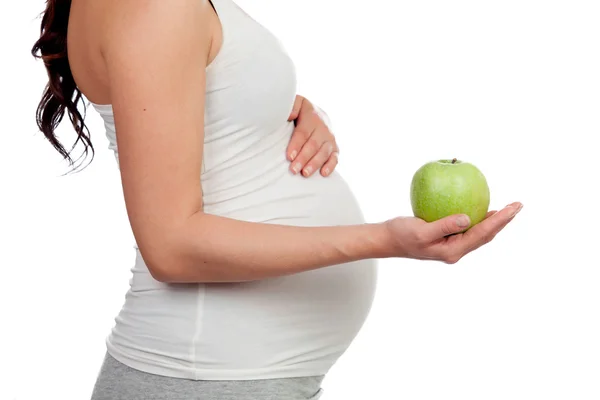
[296, 168]
[463, 221]
[326, 171]
[293, 155]
[307, 171]
[516, 210]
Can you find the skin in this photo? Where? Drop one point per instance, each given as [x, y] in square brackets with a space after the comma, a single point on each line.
[312, 145]
[148, 60]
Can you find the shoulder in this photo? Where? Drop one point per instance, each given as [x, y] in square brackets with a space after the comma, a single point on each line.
[135, 22]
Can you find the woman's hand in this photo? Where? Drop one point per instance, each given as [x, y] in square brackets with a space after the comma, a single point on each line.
[441, 240]
[312, 145]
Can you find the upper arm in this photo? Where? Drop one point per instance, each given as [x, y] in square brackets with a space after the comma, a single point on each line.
[156, 55]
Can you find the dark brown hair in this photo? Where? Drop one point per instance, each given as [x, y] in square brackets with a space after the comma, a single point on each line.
[61, 94]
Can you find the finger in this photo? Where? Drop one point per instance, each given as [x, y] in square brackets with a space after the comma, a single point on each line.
[487, 229]
[299, 137]
[308, 151]
[296, 108]
[443, 227]
[330, 164]
[306, 124]
[318, 159]
[490, 213]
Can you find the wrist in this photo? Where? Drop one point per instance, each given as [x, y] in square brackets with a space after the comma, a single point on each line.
[380, 239]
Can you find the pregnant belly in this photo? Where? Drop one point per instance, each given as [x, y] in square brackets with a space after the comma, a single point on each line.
[295, 325]
[308, 319]
[294, 200]
[255, 184]
[303, 319]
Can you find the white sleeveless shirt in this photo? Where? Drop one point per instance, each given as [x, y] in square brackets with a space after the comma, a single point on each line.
[291, 326]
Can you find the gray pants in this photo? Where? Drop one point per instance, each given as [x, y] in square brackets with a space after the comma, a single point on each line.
[116, 381]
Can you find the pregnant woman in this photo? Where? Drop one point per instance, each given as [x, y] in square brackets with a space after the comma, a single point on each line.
[251, 279]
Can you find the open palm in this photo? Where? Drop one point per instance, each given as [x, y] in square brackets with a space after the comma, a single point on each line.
[446, 239]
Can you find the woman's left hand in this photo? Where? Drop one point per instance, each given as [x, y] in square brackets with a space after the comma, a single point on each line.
[312, 146]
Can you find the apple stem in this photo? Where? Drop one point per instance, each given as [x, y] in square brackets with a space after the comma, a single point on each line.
[454, 160]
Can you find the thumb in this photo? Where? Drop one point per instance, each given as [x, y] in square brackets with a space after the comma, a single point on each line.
[446, 226]
[296, 108]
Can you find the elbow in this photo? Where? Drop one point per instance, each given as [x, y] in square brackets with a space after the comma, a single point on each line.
[164, 266]
[171, 257]
[164, 251]
[173, 267]
[159, 271]
[161, 274]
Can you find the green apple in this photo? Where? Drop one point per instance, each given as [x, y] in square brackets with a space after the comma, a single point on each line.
[446, 187]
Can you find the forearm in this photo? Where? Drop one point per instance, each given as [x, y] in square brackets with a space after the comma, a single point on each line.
[217, 249]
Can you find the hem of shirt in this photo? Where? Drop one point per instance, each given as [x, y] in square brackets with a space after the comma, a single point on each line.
[203, 374]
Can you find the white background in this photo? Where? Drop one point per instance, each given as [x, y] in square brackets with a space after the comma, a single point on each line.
[511, 86]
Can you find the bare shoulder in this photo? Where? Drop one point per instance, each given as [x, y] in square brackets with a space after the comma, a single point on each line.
[152, 44]
[135, 21]
[138, 30]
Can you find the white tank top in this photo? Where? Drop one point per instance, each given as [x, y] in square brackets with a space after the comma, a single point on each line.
[292, 326]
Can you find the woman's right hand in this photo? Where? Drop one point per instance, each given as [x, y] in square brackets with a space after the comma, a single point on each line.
[442, 240]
